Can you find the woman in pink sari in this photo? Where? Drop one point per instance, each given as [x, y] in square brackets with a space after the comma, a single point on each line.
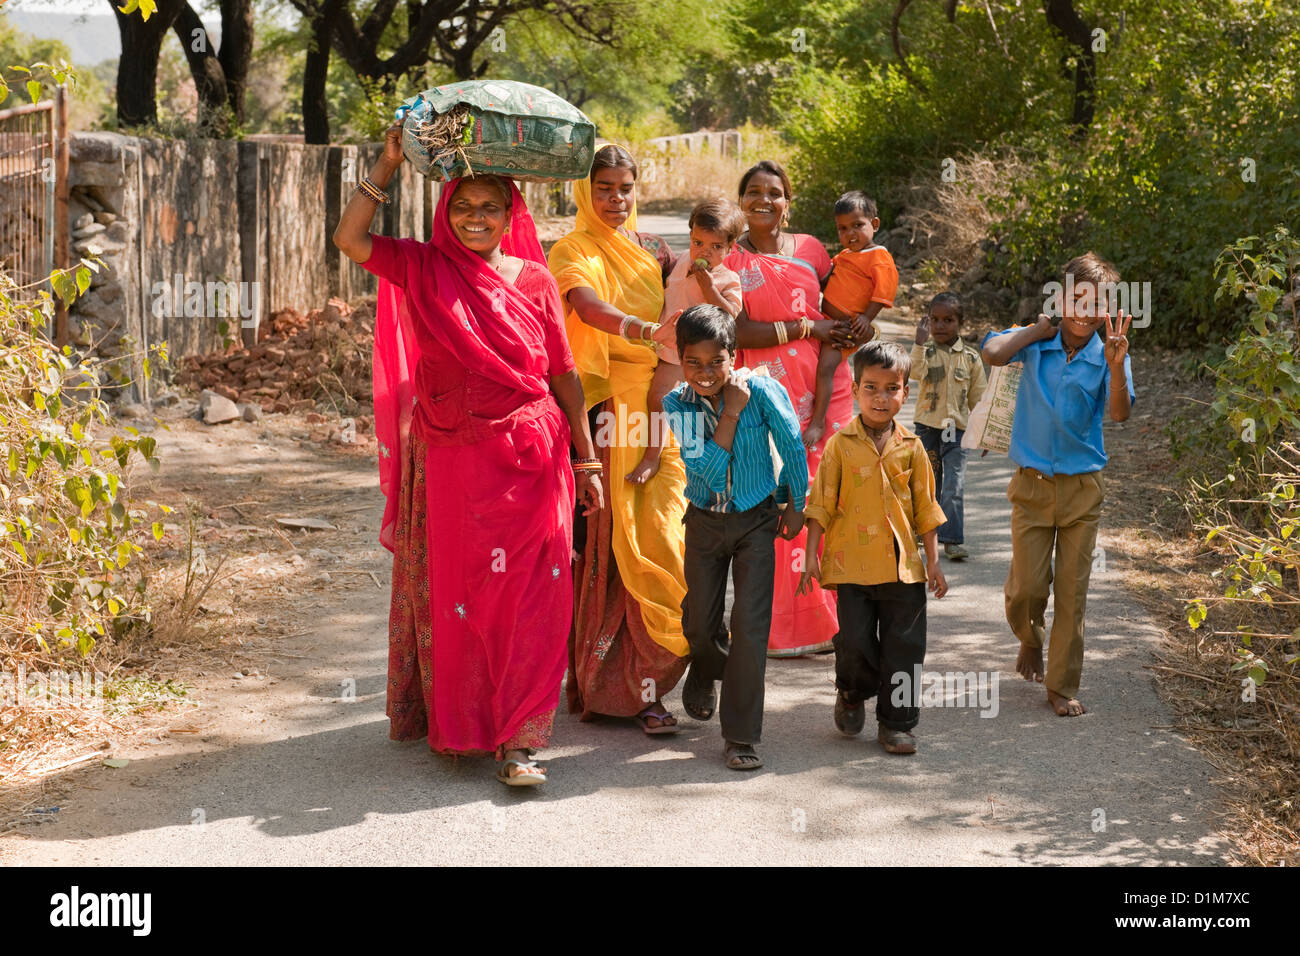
[476, 398]
[781, 275]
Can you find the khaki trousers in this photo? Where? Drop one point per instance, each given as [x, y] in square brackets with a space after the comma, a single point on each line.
[1052, 513]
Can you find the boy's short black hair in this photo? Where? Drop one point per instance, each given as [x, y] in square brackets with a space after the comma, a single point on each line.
[951, 299]
[856, 201]
[878, 354]
[718, 215]
[706, 323]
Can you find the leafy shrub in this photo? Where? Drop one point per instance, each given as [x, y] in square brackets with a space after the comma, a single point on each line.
[1243, 459]
[1194, 140]
[69, 527]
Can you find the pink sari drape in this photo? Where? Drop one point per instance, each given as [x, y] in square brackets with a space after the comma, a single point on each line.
[780, 288]
[500, 492]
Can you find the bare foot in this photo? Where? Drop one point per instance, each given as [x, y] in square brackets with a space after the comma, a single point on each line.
[1065, 706]
[643, 472]
[1029, 664]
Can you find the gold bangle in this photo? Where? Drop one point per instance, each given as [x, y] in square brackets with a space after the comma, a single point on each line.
[782, 333]
[372, 191]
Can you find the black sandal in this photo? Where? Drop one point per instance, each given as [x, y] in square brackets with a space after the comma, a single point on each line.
[699, 701]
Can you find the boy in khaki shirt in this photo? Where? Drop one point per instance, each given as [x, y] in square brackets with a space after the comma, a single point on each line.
[874, 492]
[952, 380]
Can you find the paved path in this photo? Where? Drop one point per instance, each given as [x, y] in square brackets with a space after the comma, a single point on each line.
[290, 775]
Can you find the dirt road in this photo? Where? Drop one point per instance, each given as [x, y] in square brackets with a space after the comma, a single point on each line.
[290, 763]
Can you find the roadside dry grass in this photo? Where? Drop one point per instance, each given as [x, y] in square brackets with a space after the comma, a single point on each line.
[1149, 539]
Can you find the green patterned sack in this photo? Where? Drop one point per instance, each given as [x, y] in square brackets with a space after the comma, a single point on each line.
[496, 126]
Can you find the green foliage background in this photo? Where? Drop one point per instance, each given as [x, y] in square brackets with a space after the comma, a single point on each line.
[1189, 102]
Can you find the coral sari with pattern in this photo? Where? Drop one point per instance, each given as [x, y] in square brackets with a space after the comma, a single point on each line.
[627, 648]
[786, 288]
[474, 462]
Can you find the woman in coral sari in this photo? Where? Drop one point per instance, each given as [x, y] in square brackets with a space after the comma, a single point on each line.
[781, 275]
[476, 401]
[628, 649]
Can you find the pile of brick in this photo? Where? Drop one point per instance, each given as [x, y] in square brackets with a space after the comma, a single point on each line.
[298, 360]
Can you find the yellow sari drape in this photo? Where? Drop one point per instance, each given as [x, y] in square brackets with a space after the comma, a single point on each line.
[649, 540]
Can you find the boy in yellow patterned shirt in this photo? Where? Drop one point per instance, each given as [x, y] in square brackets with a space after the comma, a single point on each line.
[873, 494]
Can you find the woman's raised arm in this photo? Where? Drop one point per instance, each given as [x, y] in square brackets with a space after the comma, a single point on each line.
[352, 235]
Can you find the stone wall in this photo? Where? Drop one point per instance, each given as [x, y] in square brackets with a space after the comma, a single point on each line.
[197, 232]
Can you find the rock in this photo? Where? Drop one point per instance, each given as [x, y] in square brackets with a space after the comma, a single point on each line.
[315, 418]
[98, 246]
[250, 411]
[133, 410]
[984, 302]
[90, 229]
[119, 231]
[82, 222]
[974, 275]
[84, 198]
[101, 302]
[96, 174]
[107, 218]
[165, 399]
[215, 408]
[309, 522]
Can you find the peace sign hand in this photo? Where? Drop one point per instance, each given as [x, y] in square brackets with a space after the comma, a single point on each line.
[1117, 341]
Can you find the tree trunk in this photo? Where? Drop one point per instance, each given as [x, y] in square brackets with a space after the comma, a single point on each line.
[137, 69]
[1063, 17]
[236, 51]
[315, 109]
[209, 77]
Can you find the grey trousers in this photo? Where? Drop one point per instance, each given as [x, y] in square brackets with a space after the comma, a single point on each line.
[745, 542]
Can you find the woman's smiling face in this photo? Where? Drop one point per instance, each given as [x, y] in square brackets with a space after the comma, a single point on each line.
[764, 201]
[479, 215]
[613, 194]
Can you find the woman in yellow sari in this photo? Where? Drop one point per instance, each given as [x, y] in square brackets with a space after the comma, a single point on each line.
[627, 648]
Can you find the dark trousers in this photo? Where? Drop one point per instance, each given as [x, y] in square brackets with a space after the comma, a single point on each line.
[745, 542]
[948, 461]
[880, 648]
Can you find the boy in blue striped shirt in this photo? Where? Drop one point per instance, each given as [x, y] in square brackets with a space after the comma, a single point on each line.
[733, 416]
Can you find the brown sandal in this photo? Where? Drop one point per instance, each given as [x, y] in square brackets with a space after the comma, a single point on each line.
[742, 757]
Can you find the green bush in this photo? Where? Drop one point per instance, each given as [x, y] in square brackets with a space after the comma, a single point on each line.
[1195, 138]
[1242, 459]
[69, 527]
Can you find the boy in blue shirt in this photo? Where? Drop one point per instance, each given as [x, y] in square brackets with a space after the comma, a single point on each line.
[1070, 380]
[732, 520]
